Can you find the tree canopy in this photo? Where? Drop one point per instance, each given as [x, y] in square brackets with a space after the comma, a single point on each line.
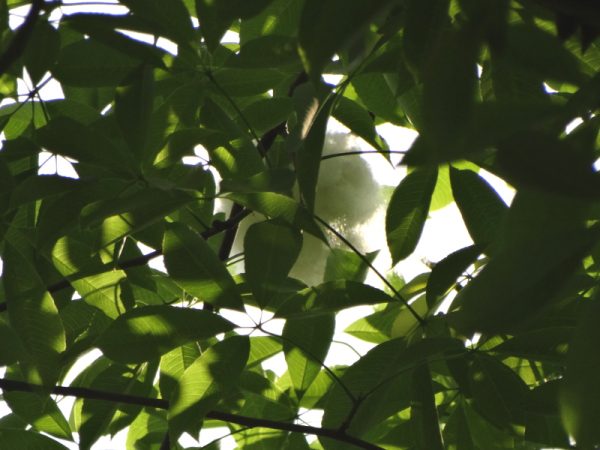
[494, 347]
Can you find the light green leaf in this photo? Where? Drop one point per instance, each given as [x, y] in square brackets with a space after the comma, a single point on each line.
[151, 331]
[359, 121]
[147, 430]
[96, 283]
[100, 417]
[195, 267]
[306, 342]
[40, 411]
[205, 382]
[32, 314]
[407, 212]
[173, 364]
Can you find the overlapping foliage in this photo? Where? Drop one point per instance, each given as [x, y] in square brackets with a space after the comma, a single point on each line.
[495, 348]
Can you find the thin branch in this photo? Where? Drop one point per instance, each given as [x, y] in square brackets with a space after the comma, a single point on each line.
[363, 152]
[217, 227]
[358, 253]
[19, 41]
[250, 422]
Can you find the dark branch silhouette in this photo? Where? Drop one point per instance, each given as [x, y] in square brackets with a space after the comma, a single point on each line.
[249, 422]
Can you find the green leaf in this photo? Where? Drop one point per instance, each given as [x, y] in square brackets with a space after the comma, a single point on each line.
[195, 267]
[261, 348]
[40, 411]
[323, 31]
[42, 50]
[382, 379]
[330, 297]
[306, 342]
[267, 113]
[548, 344]
[89, 63]
[205, 382]
[41, 186]
[423, 412]
[378, 97]
[270, 251]
[536, 160]
[32, 314]
[540, 52]
[133, 111]
[99, 417]
[10, 438]
[148, 429]
[457, 431]
[278, 206]
[173, 364]
[445, 273]
[75, 140]
[216, 17]
[347, 265]
[537, 257]
[246, 82]
[579, 399]
[359, 121]
[407, 212]
[169, 17]
[499, 394]
[11, 347]
[312, 129]
[449, 83]
[96, 283]
[424, 22]
[482, 209]
[151, 331]
[270, 51]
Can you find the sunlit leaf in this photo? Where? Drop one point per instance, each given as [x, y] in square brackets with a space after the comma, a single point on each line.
[305, 344]
[205, 382]
[196, 268]
[148, 332]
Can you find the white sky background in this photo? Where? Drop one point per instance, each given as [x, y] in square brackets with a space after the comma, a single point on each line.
[444, 233]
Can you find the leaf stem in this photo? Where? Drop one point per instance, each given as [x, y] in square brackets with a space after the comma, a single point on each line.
[358, 253]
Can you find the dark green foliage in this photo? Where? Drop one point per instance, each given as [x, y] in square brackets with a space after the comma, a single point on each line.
[494, 346]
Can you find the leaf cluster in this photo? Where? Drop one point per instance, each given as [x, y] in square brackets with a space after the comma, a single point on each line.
[495, 347]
